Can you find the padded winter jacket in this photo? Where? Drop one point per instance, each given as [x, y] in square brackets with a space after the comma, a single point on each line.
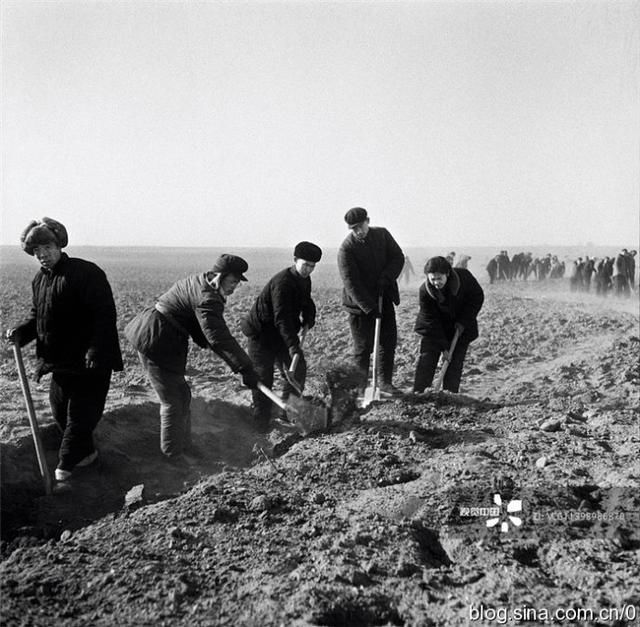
[283, 306]
[191, 308]
[459, 301]
[73, 317]
[369, 267]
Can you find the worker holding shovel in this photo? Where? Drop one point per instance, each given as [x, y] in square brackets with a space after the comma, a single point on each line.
[73, 320]
[370, 262]
[450, 300]
[192, 308]
[273, 326]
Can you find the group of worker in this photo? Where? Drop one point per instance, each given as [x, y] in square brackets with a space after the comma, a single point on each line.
[524, 266]
[609, 275]
[73, 320]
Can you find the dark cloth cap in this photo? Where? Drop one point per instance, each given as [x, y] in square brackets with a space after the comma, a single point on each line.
[355, 216]
[231, 264]
[437, 265]
[45, 231]
[308, 252]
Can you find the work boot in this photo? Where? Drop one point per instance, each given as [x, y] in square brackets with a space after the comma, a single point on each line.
[180, 461]
[192, 451]
[389, 389]
[89, 459]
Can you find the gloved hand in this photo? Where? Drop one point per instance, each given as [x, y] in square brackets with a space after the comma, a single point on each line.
[309, 321]
[384, 282]
[250, 378]
[13, 335]
[460, 328]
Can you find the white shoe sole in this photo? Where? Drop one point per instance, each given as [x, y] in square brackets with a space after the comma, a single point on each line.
[62, 475]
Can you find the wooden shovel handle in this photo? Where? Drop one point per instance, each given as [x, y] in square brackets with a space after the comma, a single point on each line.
[445, 365]
[35, 431]
[296, 357]
[376, 344]
[271, 395]
[454, 341]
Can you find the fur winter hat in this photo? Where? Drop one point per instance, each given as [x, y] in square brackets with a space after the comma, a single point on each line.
[43, 232]
[308, 252]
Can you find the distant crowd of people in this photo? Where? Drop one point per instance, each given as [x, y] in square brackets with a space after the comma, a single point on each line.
[524, 266]
[615, 275]
[609, 275]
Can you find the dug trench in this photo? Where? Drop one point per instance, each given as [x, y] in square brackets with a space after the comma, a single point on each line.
[418, 510]
[130, 468]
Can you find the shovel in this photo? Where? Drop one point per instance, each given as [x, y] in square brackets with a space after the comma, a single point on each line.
[445, 364]
[290, 372]
[372, 393]
[307, 417]
[35, 431]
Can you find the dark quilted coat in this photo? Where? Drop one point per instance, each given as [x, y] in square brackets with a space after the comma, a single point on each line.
[73, 316]
[462, 299]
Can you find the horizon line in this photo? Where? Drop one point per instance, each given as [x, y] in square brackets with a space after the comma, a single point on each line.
[268, 247]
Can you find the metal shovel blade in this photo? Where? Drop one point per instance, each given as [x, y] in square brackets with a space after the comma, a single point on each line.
[370, 394]
[306, 416]
[437, 386]
[290, 372]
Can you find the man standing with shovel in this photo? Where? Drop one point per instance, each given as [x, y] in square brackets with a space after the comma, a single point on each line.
[283, 308]
[370, 261]
[73, 320]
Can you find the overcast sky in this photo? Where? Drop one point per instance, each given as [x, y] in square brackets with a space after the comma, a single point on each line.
[260, 123]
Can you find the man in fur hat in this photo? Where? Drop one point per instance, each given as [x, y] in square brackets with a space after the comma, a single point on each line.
[192, 308]
[281, 310]
[370, 262]
[73, 320]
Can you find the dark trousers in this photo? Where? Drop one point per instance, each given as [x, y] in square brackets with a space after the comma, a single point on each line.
[77, 402]
[174, 395]
[428, 361]
[362, 332]
[621, 284]
[266, 353]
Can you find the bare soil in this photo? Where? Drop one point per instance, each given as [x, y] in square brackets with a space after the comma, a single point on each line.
[517, 499]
